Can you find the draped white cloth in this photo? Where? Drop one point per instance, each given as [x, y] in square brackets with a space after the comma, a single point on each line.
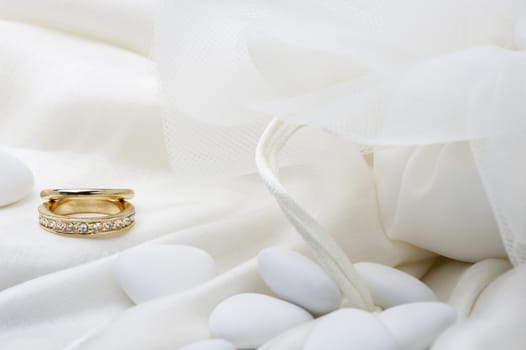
[81, 101]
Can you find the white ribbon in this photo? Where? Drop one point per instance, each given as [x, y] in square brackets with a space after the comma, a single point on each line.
[324, 247]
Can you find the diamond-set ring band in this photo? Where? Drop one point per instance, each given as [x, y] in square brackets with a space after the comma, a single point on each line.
[86, 212]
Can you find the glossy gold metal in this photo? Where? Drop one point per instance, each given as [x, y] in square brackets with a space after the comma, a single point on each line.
[86, 212]
[54, 194]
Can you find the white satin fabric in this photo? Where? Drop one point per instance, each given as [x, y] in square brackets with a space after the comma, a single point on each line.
[79, 103]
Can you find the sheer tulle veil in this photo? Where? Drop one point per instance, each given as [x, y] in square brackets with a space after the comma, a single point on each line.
[380, 73]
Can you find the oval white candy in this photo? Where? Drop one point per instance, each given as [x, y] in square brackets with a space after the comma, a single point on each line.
[415, 326]
[16, 180]
[350, 329]
[249, 320]
[210, 344]
[157, 270]
[390, 287]
[298, 279]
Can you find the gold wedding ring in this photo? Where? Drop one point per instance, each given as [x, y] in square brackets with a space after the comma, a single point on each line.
[86, 212]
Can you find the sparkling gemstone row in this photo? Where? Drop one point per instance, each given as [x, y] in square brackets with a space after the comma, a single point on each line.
[81, 227]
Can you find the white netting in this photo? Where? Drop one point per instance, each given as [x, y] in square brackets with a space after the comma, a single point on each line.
[202, 150]
[379, 72]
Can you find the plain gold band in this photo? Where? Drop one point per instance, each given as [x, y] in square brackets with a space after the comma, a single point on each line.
[86, 212]
[55, 194]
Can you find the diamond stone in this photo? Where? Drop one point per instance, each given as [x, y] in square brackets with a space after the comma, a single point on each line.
[83, 228]
[117, 224]
[71, 227]
[97, 226]
[61, 225]
[51, 224]
[127, 221]
[107, 226]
